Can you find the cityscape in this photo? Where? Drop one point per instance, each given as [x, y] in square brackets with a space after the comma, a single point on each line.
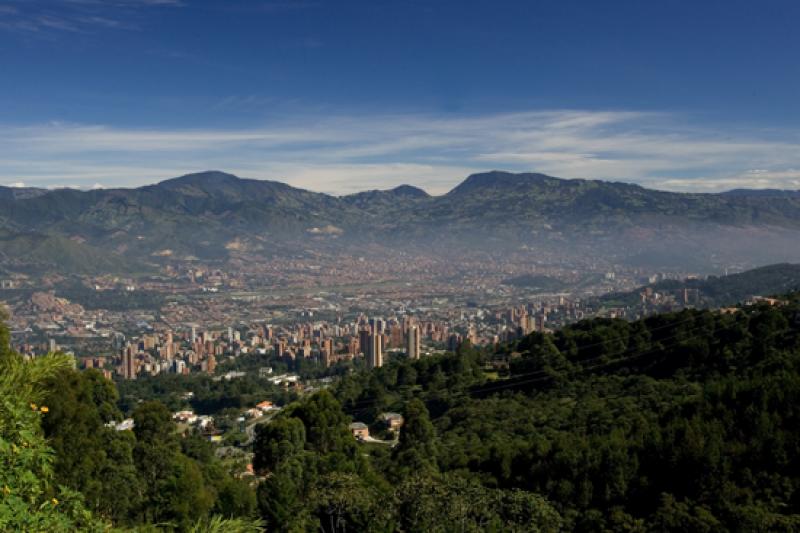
[196, 318]
[304, 266]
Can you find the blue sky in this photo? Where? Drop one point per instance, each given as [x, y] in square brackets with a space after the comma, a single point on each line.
[344, 96]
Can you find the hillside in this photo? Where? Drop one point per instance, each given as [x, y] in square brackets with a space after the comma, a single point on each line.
[722, 291]
[199, 215]
[599, 417]
[42, 253]
[579, 430]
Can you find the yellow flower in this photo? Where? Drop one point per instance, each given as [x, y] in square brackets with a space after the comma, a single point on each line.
[45, 409]
[55, 502]
[33, 406]
[6, 490]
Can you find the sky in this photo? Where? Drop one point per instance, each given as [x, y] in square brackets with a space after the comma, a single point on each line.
[345, 96]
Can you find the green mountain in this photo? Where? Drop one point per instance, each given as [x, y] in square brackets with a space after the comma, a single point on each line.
[41, 253]
[216, 216]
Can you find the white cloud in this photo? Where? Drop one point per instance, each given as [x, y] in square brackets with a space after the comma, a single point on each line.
[343, 154]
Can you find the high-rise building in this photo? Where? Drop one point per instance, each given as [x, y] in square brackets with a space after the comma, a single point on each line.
[327, 352]
[128, 363]
[377, 325]
[375, 350]
[363, 341]
[280, 348]
[372, 342]
[413, 342]
[168, 351]
[211, 364]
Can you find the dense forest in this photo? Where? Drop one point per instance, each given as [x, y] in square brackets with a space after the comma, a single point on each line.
[679, 422]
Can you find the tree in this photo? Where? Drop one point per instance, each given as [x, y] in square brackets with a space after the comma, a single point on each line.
[174, 488]
[453, 503]
[30, 499]
[346, 502]
[5, 336]
[89, 457]
[325, 424]
[281, 497]
[277, 441]
[416, 451]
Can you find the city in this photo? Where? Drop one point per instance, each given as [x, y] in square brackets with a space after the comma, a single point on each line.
[306, 266]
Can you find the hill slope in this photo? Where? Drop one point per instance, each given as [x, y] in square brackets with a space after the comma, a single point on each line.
[725, 291]
[678, 422]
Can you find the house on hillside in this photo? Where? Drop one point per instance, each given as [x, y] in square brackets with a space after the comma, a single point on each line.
[359, 430]
[393, 421]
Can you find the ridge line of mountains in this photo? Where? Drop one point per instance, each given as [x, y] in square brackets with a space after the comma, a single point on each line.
[214, 216]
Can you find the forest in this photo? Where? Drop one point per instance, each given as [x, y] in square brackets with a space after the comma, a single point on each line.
[686, 421]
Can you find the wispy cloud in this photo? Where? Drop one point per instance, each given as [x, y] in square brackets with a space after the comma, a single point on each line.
[49, 17]
[342, 154]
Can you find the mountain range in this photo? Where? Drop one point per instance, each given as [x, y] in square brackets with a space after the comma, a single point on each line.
[214, 216]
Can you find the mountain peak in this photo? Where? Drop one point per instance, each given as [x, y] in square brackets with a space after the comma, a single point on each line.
[497, 179]
[409, 190]
[208, 177]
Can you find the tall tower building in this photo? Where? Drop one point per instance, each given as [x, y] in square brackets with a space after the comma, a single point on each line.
[413, 342]
[128, 363]
[375, 350]
[372, 342]
[363, 341]
[327, 352]
[377, 326]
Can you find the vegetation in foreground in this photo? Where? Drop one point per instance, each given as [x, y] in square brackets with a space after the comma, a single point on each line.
[678, 422]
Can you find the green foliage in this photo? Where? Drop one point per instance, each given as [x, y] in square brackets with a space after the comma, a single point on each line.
[600, 416]
[90, 457]
[30, 499]
[279, 441]
[305, 443]
[458, 504]
[416, 451]
[678, 422]
[209, 396]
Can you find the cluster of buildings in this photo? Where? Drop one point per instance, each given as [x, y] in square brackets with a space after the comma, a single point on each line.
[305, 307]
[371, 338]
[154, 353]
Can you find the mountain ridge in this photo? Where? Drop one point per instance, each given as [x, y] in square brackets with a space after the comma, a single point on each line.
[197, 215]
[496, 179]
